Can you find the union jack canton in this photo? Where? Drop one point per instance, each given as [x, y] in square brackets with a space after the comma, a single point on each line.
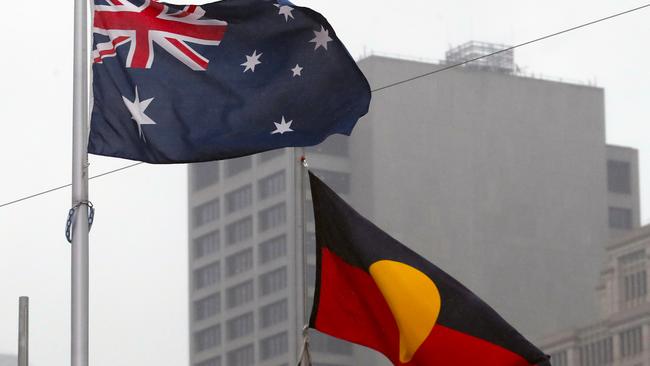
[192, 83]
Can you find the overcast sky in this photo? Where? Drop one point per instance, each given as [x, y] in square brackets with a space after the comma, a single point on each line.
[138, 255]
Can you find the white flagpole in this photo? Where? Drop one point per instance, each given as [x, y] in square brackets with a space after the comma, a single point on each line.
[79, 255]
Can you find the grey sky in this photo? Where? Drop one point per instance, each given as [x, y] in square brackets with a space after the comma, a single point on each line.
[138, 254]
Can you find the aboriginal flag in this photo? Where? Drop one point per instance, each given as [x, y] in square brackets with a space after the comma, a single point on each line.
[374, 291]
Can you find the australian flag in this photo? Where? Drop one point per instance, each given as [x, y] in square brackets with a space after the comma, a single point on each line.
[174, 84]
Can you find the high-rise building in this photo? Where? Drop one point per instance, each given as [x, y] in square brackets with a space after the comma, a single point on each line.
[498, 178]
[245, 298]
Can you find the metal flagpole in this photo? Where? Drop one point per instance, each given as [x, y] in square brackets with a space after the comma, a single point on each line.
[300, 189]
[23, 331]
[79, 254]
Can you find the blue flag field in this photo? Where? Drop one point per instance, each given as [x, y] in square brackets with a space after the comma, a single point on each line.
[175, 84]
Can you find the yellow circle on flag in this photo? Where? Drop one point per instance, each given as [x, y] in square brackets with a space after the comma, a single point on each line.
[413, 299]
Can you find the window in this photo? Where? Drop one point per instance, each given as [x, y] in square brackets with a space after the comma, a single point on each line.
[239, 262]
[631, 342]
[272, 185]
[238, 165]
[206, 276]
[635, 286]
[207, 307]
[310, 242]
[274, 345]
[240, 326]
[274, 313]
[311, 274]
[240, 294]
[272, 249]
[339, 182]
[272, 217]
[214, 361]
[207, 244]
[324, 343]
[598, 353]
[239, 199]
[207, 338]
[559, 358]
[204, 174]
[239, 230]
[268, 155]
[619, 178]
[206, 212]
[334, 145]
[273, 281]
[244, 356]
[620, 218]
[633, 277]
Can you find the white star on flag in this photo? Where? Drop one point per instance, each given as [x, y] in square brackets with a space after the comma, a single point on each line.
[286, 11]
[282, 127]
[297, 71]
[322, 38]
[137, 108]
[252, 61]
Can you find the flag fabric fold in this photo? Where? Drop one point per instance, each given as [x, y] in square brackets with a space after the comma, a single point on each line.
[175, 84]
[372, 290]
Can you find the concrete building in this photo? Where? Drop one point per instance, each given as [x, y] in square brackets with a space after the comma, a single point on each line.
[245, 302]
[623, 200]
[621, 336]
[498, 178]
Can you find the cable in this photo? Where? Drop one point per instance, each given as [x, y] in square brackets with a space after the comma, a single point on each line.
[67, 185]
[511, 48]
[390, 85]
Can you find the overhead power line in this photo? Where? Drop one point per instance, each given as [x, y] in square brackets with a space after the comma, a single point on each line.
[67, 185]
[445, 68]
[567, 30]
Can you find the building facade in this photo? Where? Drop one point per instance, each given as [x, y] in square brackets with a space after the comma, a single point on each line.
[499, 179]
[246, 301]
[621, 336]
[623, 200]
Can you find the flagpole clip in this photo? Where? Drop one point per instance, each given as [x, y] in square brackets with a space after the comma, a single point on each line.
[72, 213]
[303, 161]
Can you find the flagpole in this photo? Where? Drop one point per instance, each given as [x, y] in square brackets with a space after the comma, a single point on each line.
[79, 253]
[300, 189]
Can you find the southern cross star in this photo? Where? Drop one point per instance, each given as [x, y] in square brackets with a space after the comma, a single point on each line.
[286, 11]
[322, 38]
[252, 61]
[297, 71]
[282, 127]
[137, 108]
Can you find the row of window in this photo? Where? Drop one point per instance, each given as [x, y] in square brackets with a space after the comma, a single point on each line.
[243, 293]
[270, 347]
[601, 352]
[269, 282]
[236, 263]
[240, 198]
[269, 315]
[206, 174]
[242, 230]
[239, 230]
[274, 184]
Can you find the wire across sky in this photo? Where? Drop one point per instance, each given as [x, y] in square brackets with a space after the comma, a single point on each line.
[391, 85]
